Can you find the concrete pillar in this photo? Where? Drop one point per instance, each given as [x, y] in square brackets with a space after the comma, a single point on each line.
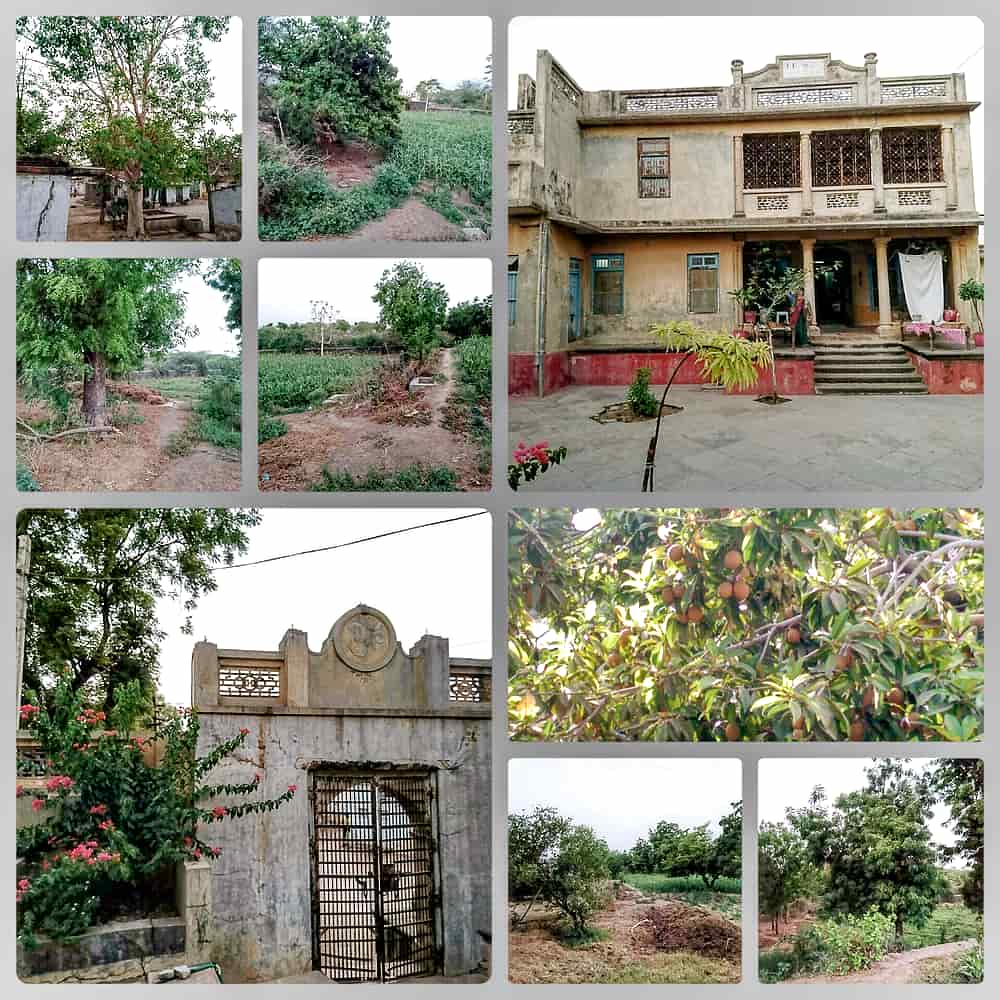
[738, 175]
[737, 91]
[956, 246]
[432, 662]
[737, 279]
[808, 267]
[878, 182]
[885, 327]
[205, 675]
[295, 647]
[806, 171]
[950, 169]
[194, 903]
[872, 95]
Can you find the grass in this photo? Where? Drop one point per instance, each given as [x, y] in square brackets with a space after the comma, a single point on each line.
[452, 150]
[680, 884]
[413, 479]
[675, 967]
[948, 922]
[570, 937]
[185, 387]
[475, 366]
[288, 382]
[25, 481]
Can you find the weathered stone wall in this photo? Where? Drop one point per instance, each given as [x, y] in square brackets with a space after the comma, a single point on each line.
[261, 901]
[42, 206]
[227, 205]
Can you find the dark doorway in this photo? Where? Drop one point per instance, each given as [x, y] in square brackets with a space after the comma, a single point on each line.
[834, 301]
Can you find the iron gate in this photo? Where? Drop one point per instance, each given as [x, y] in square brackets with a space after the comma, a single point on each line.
[374, 876]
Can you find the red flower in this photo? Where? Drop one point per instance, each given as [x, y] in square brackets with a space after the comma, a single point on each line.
[105, 856]
[216, 851]
[106, 825]
[257, 779]
[98, 810]
[24, 885]
[20, 790]
[197, 854]
[37, 804]
[27, 711]
[58, 781]
[218, 812]
[244, 732]
[293, 788]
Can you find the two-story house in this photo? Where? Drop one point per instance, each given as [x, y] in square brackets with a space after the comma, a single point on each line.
[628, 208]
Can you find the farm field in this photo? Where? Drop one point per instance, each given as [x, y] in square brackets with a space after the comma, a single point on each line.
[165, 438]
[434, 184]
[379, 435]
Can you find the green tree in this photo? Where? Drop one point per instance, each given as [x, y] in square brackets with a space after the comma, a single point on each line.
[746, 624]
[882, 855]
[785, 871]
[225, 275]
[37, 133]
[958, 781]
[725, 859]
[137, 86]
[413, 307]
[565, 864]
[96, 577]
[470, 319]
[215, 158]
[426, 89]
[327, 79]
[99, 317]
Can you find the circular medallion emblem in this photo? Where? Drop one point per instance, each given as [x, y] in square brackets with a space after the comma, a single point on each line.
[364, 639]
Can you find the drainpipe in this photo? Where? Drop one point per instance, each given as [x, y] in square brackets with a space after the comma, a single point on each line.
[543, 279]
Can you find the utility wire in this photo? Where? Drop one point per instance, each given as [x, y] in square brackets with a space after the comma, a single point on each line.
[968, 57]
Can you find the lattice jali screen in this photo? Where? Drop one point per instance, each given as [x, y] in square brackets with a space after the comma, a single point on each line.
[470, 686]
[671, 102]
[561, 84]
[843, 199]
[841, 159]
[912, 156]
[799, 96]
[771, 161]
[915, 198]
[521, 123]
[913, 91]
[242, 681]
[772, 203]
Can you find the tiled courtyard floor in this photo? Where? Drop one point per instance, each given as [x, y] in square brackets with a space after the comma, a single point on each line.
[732, 443]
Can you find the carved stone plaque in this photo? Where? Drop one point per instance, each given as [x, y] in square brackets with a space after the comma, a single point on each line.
[802, 69]
[364, 639]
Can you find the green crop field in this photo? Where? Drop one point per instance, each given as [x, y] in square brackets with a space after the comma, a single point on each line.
[680, 883]
[475, 365]
[295, 381]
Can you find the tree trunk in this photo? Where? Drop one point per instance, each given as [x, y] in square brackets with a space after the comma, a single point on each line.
[899, 927]
[136, 227]
[95, 392]
[211, 209]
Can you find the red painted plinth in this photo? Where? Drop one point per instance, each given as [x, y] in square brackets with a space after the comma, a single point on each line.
[521, 373]
[620, 369]
[961, 377]
[795, 377]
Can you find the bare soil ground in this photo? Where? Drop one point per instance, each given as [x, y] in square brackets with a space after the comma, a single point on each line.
[350, 163]
[349, 437]
[85, 223]
[900, 967]
[136, 458]
[787, 930]
[704, 947]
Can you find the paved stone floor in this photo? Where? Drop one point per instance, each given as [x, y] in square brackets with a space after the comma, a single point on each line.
[726, 443]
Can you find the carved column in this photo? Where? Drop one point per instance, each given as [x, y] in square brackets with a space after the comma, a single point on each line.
[950, 177]
[738, 175]
[806, 171]
[885, 327]
[808, 267]
[878, 183]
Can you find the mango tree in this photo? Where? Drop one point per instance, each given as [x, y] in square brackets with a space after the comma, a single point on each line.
[128, 82]
[746, 624]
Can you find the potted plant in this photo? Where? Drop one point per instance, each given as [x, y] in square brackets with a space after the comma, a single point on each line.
[747, 298]
[974, 291]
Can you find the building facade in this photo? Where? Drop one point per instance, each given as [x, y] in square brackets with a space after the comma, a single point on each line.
[629, 208]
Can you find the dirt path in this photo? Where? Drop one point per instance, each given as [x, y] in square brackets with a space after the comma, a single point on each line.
[900, 967]
[413, 220]
[133, 459]
[349, 440]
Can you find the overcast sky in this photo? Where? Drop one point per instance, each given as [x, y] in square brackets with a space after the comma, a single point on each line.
[632, 53]
[784, 783]
[206, 310]
[286, 286]
[435, 580]
[622, 799]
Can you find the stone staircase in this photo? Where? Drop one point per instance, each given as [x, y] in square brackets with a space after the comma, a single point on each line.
[855, 366]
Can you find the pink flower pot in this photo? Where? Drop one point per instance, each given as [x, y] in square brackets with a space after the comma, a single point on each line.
[950, 315]
[978, 339]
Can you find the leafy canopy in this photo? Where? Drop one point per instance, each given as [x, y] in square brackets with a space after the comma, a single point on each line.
[412, 306]
[701, 624]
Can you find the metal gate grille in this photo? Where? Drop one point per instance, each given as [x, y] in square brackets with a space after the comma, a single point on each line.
[374, 896]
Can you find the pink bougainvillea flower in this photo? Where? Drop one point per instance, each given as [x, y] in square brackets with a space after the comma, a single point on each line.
[27, 711]
[104, 856]
[216, 851]
[37, 804]
[24, 885]
[106, 825]
[293, 788]
[20, 790]
[218, 812]
[197, 854]
[98, 810]
[258, 778]
[58, 781]
[244, 732]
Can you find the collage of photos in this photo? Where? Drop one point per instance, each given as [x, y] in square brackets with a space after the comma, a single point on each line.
[266, 735]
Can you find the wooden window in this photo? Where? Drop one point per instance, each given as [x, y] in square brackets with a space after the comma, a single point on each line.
[654, 168]
[841, 159]
[703, 282]
[512, 263]
[608, 273]
[771, 161]
[912, 155]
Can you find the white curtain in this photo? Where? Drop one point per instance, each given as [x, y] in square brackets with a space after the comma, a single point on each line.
[923, 285]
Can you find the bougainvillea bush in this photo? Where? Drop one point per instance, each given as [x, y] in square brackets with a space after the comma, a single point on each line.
[746, 624]
[113, 827]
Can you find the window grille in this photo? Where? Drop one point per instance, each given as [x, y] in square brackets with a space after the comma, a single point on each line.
[912, 156]
[913, 91]
[608, 284]
[654, 168]
[916, 198]
[703, 282]
[469, 686]
[670, 102]
[841, 159]
[512, 263]
[771, 161]
[249, 682]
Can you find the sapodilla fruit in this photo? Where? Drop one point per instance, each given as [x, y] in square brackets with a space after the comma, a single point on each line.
[793, 635]
[678, 591]
[624, 637]
[733, 560]
[695, 613]
[868, 698]
[741, 590]
[845, 659]
[895, 696]
[614, 658]
[733, 731]
[725, 590]
[667, 595]
[676, 553]
[857, 730]
[682, 617]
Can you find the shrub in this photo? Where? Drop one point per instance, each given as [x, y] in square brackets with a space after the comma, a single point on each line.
[849, 944]
[680, 883]
[475, 367]
[25, 481]
[270, 427]
[642, 402]
[220, 411]
[413, 479]
[970, 965]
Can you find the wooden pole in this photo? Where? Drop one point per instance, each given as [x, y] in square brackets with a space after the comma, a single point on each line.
[23, 574]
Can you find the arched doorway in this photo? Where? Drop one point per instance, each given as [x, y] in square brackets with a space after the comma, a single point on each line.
[374, 875]
[834, 298]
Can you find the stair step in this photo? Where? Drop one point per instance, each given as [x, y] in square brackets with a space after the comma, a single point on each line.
[862, 370]
[891, 378]
[871, 388]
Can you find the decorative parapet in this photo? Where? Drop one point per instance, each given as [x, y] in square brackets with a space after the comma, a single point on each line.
[916, 90]
[520, 123]
[470, 681]
[652, 101]
[796, 97]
